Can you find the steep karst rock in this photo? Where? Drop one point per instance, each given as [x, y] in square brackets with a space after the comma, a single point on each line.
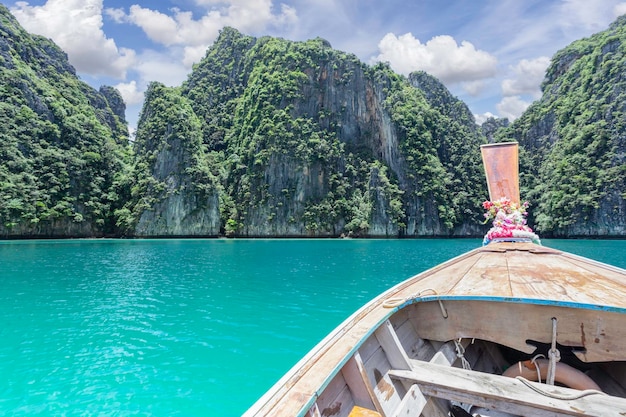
[574, 139]
[310, 141]
[61, 146]
[174, 191]
[274, 138]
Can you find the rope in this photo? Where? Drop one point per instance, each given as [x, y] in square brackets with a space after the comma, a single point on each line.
[553, 355]
[397, 301]
[556, 396]
[534, 362]
[460, 353]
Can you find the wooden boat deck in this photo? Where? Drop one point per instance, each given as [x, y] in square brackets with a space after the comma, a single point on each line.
[506, 293]
[526, 271]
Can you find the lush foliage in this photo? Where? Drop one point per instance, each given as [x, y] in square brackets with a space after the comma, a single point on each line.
[573, 138]
[299, 153]
[296, 138]
[62, 147]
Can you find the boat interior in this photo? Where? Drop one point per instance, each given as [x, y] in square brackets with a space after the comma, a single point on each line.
[460, 357]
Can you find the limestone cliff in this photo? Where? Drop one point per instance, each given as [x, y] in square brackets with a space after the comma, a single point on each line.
[175, 193]
[274, 138]
[574, 139]
[312, 142]
[61, 145]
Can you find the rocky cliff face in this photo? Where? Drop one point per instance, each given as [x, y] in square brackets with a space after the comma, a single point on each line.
[573, 139]
[60, 143]
[275, 138]
[309, 141]
[175, 194]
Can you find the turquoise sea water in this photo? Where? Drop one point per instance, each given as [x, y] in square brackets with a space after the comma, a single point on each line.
[187, 327]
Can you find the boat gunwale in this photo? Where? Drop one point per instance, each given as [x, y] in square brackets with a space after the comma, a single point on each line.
[285, 384]
[336, 335]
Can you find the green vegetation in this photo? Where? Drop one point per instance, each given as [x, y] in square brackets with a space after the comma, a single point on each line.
[282, 116]
[269, 137]
[62, 157]
[573, 136]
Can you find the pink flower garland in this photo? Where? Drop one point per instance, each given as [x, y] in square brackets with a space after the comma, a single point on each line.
[509, 221]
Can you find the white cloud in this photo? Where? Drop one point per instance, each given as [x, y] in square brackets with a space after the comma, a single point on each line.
[287, 17]
[117, 15]
[193, 54]
[181, 29]
[588, 15]
[76, 26]
[130, 93]
[473, 88]
[511, 107]
[619, 9]
[441, 56]
[528, 75]
[166, 68]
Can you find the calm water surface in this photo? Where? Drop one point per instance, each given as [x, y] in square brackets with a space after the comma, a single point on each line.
[187, 327]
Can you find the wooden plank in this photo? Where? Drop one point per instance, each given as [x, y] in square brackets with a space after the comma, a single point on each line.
[371, 389]
[396, 355]
[447, 355]
[436, 407]
[421, 350]
[404, 330]
[412, 404]
[313, 412]
[357, 384]
[477, 282]
[599, 335]
[507, 394]
[383, 388]
[532, 272]
[336, 399]
[560, 277]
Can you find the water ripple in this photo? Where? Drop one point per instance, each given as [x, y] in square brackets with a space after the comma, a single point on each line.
[175, 327]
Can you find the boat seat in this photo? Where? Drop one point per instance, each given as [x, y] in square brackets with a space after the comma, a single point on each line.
[363, 412]
[507, 394]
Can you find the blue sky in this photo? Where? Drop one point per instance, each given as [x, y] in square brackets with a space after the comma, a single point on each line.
[492, 54]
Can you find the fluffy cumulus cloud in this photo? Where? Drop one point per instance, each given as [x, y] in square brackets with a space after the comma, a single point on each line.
[441, 56]
[194, 35]
[527, 77]
[524, 81]
[130, 92]
[76, 26]
[512, 107]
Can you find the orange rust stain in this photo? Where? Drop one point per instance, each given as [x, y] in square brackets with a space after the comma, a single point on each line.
[383, 386]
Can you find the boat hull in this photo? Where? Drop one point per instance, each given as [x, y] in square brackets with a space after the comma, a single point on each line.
[378, 359]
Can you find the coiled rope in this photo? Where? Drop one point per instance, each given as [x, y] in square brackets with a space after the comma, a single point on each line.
[397, 301]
